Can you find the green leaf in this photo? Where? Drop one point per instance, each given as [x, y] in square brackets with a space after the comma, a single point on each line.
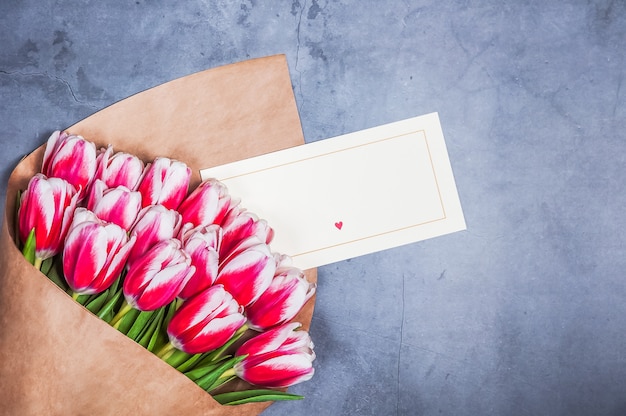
[171, 309]
[153, 343]
[128, 320]
[205, 360]
[160, 340]
[208, 381]
[210, 357]
[56, 274]
[114, 288]
[29, 247]
[106, 313]
[140, 324]
[82, 299]
[96, 302]
[199, 372]
[177, 358]
[189, 364]
[161, 335]
[220, 382]
[46, 265]
[155, 323]
[252, 396]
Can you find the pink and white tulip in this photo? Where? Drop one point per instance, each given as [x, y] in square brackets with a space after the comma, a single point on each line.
[119, 169]
[282, 300]
[240, 224]
[165, 182]
[71, 158]
[154, 223]
[202, 244]
[156, 278]
[207, 204]
[118, 205]
[206, 321]
[46, 206]
[248, 271]
[280, 357]
[94, 253]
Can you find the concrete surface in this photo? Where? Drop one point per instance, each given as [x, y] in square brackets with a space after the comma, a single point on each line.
[523, 313]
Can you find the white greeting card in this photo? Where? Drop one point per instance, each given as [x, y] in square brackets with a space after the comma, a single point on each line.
[352, 194]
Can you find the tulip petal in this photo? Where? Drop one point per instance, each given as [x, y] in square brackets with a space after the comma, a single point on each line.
[158, 277]
[207, 204]
[164, 182]
[94, 253]
[175, 185]
[205, 321]
[248, 274]
[124, 170]
[51, 144]
[201, 243]
[154, 223]
[277, 372]
[118, 248]
[83, 257]
[282, 300]
[270, 340]
[118, 205]
[279, 357]
[213, 335]
[71, 158]
[46, 206]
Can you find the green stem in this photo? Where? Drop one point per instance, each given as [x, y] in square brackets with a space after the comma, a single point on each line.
[115, 322]
[186, 365]
[165, 352]
[176, 358]
[104, 312]
[38, 262]
[75, 296]
[227, 374]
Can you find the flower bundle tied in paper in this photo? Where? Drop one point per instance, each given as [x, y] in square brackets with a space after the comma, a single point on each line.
[205, 119]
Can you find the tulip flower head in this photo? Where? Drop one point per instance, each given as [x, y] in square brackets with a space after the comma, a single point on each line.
[206, 321]
[118, 205]
[156, 278]
[71, 158]
[202, 244]
[248, 271]
[94, 253]
[280, 357]
[165, 182]
[282, 300]
[154, 223]
[207, 204]
[119, 169]
[46, 206]
[240, 224]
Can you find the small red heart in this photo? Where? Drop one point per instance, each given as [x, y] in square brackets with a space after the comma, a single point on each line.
[339, 225]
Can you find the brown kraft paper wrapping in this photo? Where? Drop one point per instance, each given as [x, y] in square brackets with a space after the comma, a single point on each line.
[56, 358]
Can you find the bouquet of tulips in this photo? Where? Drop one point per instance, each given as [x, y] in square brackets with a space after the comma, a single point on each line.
[190, 276]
